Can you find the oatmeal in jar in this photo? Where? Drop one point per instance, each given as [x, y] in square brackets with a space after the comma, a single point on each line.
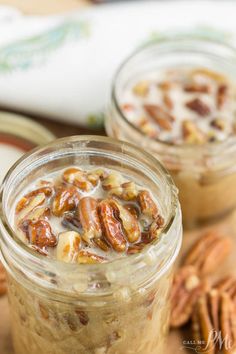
[177, 99]
[87, 216]
[182, 106]
[89, 235]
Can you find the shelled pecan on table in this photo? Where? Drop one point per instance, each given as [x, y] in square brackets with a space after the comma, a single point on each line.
[210, 307]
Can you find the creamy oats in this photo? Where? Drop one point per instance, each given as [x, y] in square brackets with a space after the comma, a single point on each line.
[192, 106]
[96, 232]
[87, 216]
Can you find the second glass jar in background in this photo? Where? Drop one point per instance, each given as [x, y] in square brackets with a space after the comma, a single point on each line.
[205, 174]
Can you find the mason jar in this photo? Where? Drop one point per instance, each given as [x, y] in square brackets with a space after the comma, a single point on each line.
[117, 307]
[204, 174]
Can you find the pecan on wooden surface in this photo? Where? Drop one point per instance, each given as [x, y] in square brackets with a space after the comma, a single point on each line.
[208, 252]
[186, 289]
[214, 323]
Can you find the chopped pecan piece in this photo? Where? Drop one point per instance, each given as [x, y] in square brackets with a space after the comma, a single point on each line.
[222, 95]
[85, 257]
[113, 183]
[39, 213]
[198, 88]
[89, 218]
[102, 244]
[68, 246]
[39, 233]
[191, 133]
[29, 205]
[133, 209]
[96, 175]
[141, 88]
[147, 128]
[111, 224]
[78, 178]
[136, 248]
[147, 205]
[168, 101]
[212, 75]
[187, 287]
[156, 227]
[160, 116]
[3, 281]
[127, 107]
[199, 107]
[129, 222]
[218, 123]
[65, 199]
[71, 221]
[208, 252]
[129, 191]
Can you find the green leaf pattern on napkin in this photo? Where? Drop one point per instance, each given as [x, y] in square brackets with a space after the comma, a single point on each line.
[26, 53]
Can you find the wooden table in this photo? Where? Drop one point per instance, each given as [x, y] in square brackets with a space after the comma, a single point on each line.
[175, 340]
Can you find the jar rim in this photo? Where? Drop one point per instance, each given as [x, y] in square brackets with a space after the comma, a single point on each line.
[13, 242]
[210, 149]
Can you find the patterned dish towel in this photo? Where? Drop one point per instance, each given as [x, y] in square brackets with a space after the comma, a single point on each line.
[61, 67]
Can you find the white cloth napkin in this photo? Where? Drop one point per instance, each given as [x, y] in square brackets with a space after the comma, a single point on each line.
[61, 67]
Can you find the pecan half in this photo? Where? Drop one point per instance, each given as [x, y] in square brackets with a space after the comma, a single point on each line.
[39, 214]
[39, 233]
[129, 222]
[27, 199]
[208, 252]
[111, 224]
[186, 289]
[78, 178]
[65, 199]
[68, 246]
[85, 257]
[213, 323]
[3, 281]
[89, 218]
[199, 107]
[27, 206]
[147, 205]
[160, 116]
[227, 285]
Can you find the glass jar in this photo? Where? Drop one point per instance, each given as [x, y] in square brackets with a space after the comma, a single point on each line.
[116, 307]
[205, 174]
